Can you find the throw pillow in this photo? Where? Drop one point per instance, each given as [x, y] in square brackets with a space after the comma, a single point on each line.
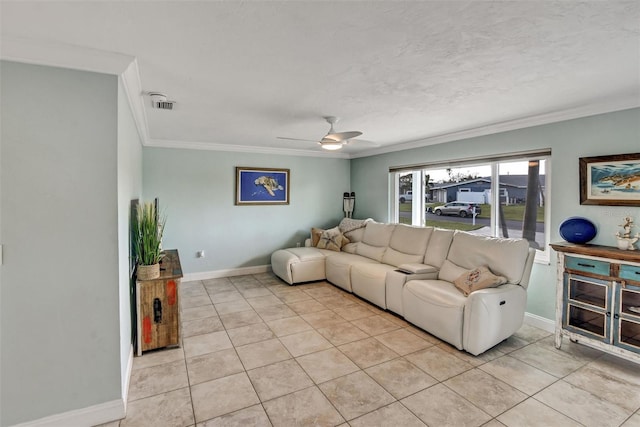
[349, 224]
[315, 236]
[478, 278]
[332, 240]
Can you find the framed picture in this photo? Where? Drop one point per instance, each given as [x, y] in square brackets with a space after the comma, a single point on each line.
[262, 186]
[610, 180]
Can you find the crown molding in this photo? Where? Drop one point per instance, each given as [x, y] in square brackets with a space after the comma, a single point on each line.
[132, 85]
[209, 146]
[609, 106]
[62, 55]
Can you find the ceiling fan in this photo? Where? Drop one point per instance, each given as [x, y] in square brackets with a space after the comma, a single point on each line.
[332, 140]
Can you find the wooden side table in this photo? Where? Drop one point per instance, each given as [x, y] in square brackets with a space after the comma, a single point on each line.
[158, 306]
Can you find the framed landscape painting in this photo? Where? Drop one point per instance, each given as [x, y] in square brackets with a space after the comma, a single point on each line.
[610, 180]
[262, 186]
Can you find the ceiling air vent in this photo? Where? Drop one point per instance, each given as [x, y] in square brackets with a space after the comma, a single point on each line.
[159, 101]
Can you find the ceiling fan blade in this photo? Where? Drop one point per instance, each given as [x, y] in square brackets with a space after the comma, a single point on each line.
[296, 139]
[341, 136]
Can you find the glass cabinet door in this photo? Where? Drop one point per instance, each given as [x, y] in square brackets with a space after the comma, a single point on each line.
[587, 306]
[588, 291]
[627, 317]
[630, 300]
[587, 320]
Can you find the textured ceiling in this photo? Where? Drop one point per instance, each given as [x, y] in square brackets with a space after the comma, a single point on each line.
[244, 73]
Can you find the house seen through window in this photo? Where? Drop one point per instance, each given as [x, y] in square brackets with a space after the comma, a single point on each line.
[502, 198]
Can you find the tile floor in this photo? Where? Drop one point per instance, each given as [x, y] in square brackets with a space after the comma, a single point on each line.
[257, 352]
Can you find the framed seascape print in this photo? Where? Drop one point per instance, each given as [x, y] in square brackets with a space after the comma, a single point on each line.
[262, 186]
[610, 180]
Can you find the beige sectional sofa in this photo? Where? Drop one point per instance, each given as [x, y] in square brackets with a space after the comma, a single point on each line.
[411, 271]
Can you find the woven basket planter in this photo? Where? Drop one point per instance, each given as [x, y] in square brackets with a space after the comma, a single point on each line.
[148, 272]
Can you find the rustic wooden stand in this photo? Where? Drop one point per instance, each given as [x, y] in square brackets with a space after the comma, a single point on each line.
[598, 298]
[158, 306]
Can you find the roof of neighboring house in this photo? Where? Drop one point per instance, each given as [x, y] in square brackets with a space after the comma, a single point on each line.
[458, 184]
[518, 181]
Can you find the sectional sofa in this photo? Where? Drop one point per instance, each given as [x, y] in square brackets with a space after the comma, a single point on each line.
[420, 273]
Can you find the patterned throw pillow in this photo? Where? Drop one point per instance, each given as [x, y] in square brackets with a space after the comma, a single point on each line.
[350, 224]
[476, 279]
[332, 240]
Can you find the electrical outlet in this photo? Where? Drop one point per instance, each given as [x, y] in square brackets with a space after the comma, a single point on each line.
[200, 254]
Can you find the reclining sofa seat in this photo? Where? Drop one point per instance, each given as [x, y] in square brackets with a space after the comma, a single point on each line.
[435, 254]
[406, 245]
[369, 251]
[484, 318]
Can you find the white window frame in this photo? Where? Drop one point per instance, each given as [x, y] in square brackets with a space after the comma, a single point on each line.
[394, 197]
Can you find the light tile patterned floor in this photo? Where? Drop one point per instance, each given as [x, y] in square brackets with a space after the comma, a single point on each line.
[257, 352]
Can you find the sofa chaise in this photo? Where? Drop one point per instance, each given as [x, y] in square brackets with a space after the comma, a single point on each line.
[426, 275]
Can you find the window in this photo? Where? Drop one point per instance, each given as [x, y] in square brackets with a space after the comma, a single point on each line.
[502, 197]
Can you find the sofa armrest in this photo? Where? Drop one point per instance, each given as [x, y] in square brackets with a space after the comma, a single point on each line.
[492, 315]
[417, 268]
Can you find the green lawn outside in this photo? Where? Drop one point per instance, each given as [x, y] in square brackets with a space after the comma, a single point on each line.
[405, 207]
[513, 212]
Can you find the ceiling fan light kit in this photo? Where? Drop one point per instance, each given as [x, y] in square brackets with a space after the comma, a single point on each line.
[332, 140]
[331, 145]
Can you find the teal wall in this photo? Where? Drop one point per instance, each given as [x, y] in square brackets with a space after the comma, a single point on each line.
[59, 300]
[197, 192]
[613, 133]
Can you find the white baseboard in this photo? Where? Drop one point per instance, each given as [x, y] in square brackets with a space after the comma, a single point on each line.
[89, 416]
[216, 274]
[92, 415]
[540, 322]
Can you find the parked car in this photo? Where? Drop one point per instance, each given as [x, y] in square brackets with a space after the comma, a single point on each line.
[462, 209]
[406, 197]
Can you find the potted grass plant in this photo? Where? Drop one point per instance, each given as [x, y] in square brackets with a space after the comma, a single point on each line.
[147, 231]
